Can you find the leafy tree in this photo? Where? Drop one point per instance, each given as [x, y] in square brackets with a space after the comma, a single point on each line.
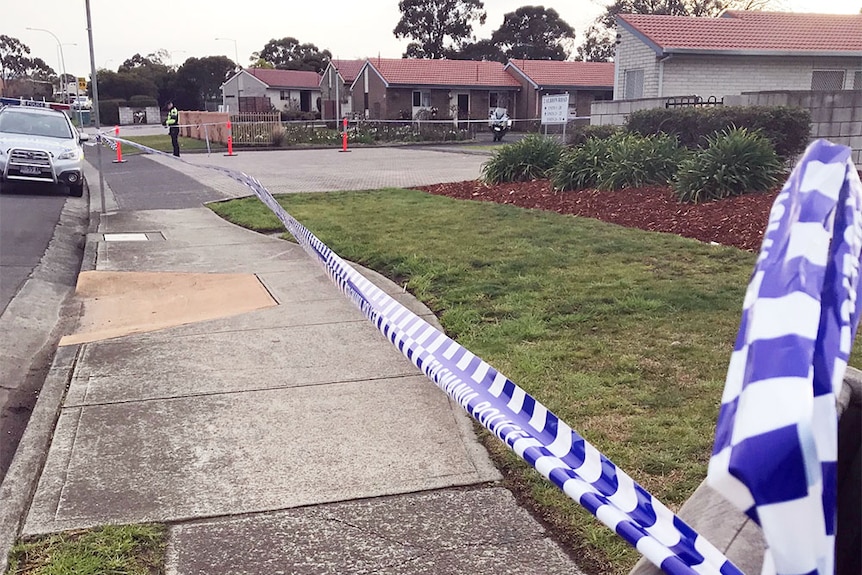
[289, 54]
[149, 71]
[124, 84]
[260, 63]
[198, 81]
[39, 70]
[534, 33]
[481, 50]
[15, 62]
[598, 45]
[437, 26]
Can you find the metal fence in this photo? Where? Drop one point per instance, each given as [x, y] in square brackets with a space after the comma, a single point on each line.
[254, 128]
[693, 101]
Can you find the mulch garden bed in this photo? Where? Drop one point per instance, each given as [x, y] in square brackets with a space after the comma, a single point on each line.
[739, 221]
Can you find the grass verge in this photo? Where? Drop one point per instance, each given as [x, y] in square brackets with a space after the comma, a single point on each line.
[126, 550]
[624, 334]
[162, 142]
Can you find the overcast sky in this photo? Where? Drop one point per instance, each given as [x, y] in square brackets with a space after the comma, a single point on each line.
[347, 28]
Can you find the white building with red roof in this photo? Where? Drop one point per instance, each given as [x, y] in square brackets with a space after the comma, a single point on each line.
[252, 89]
[667, 56]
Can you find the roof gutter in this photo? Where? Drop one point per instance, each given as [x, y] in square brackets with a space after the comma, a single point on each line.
[744, 52]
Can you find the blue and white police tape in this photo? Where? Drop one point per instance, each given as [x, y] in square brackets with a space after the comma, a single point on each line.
[776, 439]
[516, 418]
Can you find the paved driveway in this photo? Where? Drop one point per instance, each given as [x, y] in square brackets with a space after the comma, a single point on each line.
[286, 171]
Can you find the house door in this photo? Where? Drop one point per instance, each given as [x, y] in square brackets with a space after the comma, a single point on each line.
[463, 108]
[305, 101]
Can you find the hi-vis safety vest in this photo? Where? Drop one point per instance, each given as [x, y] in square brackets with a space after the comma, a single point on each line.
[173, 117]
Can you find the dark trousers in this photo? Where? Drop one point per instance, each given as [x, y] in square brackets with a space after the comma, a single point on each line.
[175, 134]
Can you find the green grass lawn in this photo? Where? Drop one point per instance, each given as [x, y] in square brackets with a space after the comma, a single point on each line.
[624, 334]
[129, 550]
[162, 142]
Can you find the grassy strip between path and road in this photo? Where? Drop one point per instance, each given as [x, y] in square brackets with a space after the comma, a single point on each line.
[625, 334]
[162, 142]
[127, 550]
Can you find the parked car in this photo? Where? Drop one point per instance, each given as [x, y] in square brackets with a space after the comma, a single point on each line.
[40, 145]
[81, 103]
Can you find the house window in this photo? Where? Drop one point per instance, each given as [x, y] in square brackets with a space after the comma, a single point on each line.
[634, 84]
[285, 95]
[857, 80]
[827, 80]
[421, 99]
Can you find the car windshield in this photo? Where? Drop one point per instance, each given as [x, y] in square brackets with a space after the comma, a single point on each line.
[52, 126]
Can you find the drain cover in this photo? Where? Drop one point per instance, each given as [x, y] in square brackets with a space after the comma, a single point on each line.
[125, 237]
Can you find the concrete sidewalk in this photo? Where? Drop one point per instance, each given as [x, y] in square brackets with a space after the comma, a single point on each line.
[289, 439]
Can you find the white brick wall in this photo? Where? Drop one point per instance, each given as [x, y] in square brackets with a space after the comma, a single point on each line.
[632, 54]
[706, 76]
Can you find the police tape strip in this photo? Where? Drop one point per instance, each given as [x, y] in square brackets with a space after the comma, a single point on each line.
[526, 426]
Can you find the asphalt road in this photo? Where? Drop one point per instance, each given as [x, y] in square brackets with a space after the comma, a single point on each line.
[28, 216]
[35, 278]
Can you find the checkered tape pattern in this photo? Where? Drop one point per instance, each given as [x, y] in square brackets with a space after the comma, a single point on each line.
[775, 453]
[522, 423]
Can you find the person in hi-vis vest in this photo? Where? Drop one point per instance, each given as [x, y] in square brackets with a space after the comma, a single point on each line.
[173, 124]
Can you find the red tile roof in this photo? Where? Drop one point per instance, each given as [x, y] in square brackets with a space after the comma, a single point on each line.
[416, 72]
[751, 32]
[547, 73]
[286, 78]
[349, 69]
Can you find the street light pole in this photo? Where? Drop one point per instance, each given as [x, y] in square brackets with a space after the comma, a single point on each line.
[235, 51]
[94, 82]
[239, 80]
[62, 63]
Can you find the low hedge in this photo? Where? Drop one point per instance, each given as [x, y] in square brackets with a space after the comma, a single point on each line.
[788, 129]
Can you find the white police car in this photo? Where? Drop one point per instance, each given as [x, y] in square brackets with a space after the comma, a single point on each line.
[40, 145]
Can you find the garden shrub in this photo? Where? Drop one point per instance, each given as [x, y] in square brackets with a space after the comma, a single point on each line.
[580, 134]
[278, 135]
[735, 161]
[109, 112]
[621, 161]
[636, 161]
[142, 101]
[529, 159]
[579, 167]
[787, 128]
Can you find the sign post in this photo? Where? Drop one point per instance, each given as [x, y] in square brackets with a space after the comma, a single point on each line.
[555, 111]
[81, 87]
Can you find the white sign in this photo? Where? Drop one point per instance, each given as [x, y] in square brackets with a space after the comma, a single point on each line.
[555, 109]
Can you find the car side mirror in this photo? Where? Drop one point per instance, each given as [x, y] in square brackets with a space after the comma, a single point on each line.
[82, 137]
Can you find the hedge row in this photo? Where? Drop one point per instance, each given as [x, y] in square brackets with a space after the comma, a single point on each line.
[788, 129]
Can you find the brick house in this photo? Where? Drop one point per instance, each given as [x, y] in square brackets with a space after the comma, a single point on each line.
[583, 81]
[394, 89]
[666, 56]
[253, 89]
[337, 100]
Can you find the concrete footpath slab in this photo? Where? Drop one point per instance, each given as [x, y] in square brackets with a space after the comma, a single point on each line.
[290, 439]
[485, 532]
